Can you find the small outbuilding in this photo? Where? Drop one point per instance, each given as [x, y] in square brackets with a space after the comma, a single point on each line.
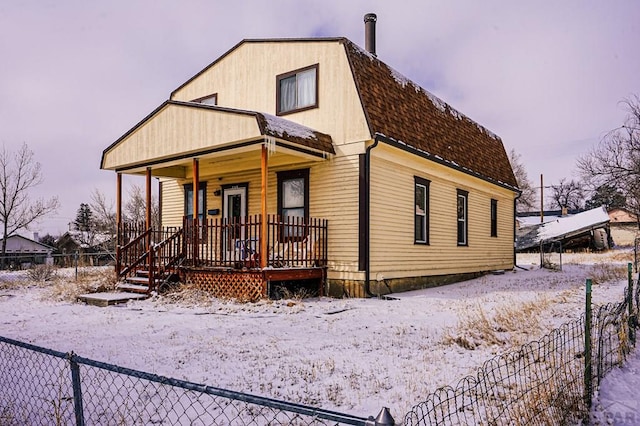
[23, 252]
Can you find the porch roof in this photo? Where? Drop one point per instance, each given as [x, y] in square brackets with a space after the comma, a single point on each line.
[176, 131]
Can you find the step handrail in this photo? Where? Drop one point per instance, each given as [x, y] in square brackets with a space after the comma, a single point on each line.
[122, 252]
[173, 241]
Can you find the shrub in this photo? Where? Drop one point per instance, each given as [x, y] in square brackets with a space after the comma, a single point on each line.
[42, 273]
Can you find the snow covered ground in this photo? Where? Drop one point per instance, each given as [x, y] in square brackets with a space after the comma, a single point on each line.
[350, 355]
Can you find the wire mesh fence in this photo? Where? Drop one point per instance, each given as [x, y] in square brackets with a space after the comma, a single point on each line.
[45, 387]
[549, 381]
[543, 382]
[551, 255]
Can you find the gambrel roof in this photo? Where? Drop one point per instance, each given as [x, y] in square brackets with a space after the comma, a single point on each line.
[394, 107]
[400, 109]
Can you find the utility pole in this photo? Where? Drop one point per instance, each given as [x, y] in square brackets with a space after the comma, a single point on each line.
[541, 198]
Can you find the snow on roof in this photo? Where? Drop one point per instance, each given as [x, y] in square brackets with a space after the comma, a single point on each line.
[562, 227]
[280, 127]
[569, 224]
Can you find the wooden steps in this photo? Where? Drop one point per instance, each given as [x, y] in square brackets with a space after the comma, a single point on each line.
[139, 283]
[133, 288]
[107, 299]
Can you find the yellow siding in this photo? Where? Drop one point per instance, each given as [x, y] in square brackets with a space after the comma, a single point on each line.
[253, 87]
[178, 130]
[393, 252]
[172, 203]
[333, 195]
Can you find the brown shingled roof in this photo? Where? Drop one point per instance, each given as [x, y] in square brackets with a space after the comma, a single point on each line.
[401, 110]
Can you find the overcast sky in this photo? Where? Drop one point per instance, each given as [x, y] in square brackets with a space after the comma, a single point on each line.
[546, 76]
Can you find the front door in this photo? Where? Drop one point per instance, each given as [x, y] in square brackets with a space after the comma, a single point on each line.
[234, 212]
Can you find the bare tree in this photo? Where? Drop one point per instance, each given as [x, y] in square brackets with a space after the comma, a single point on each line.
[527, 200]
[616, 159]
[19, 174]
[567, 194]
[104, 216]
[136, 206]
[104, 220]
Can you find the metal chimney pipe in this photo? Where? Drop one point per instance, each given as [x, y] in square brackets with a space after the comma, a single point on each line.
[370, 33]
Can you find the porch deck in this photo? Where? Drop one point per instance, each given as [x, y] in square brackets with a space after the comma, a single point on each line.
[223, 256]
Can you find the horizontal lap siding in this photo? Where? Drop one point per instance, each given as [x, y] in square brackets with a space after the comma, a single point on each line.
[334, 196]
[172, 203]
[393, 252]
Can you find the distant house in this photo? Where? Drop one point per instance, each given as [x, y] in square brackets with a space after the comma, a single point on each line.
[94, 252]
[620, 216]
[311, 160]
[624, 226]
[586, 229]
[23, 252]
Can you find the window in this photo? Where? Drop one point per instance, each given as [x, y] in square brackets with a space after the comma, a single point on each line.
[188, 200]
[494, 218]
[421, 233]
[463, 197]
[207, 100]
[297, 90]
[293, 200]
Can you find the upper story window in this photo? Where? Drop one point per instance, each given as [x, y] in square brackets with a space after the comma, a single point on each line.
[208, 100]
[297, 90]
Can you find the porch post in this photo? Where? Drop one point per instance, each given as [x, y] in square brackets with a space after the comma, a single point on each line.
[264, 165]
[118, 205]
[118, 221]
[148, 199]
[196, 194]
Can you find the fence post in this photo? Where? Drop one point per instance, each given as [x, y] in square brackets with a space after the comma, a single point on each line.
[632, 330]
[75, 261]
[77, 389]
[587, 347]
[384, 418]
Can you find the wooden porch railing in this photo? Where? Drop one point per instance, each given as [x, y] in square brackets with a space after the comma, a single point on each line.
[131, 251]
[296, 242]
[133, 254]
[235, 243]
[167, 255]
[222, 243]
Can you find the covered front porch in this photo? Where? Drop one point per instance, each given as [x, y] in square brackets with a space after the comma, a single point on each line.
[247, 244]
[223, 256]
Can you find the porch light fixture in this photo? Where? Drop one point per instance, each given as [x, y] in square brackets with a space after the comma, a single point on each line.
[217, 192]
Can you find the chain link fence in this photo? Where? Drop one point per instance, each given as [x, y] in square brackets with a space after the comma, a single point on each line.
[62, 260]
[544, 382]
[44, 387]
[549, 381]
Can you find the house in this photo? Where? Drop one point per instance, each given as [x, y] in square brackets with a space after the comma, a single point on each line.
[92, 249]
[23, 252]
[624, 226]
[311, 161]
[577, 230]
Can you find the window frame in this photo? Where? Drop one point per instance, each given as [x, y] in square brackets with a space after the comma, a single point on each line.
[462, 195]
[204, 98]
[189, 187]
[284, 176]
[424, 183]
[286, 75]
[494, 218]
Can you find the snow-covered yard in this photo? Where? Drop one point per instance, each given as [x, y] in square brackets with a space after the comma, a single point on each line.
[351, 355]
